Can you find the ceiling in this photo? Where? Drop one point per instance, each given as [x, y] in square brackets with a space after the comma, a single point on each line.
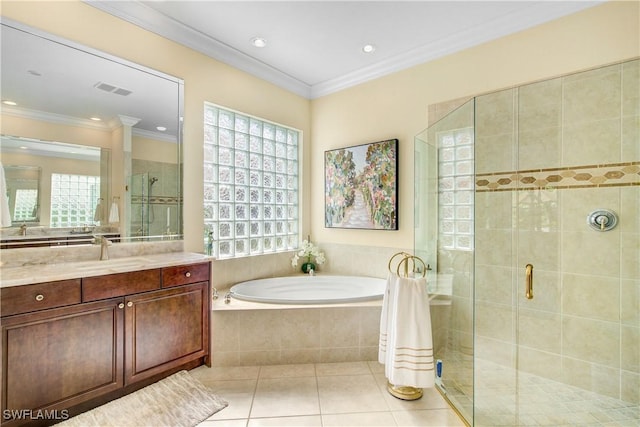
[314, 48]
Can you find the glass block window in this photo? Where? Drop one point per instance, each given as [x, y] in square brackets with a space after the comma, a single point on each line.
[26, 205]
[251, 169]
[73, 200]
[456, 187]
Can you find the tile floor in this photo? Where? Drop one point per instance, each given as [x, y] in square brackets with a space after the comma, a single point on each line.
[321, 394]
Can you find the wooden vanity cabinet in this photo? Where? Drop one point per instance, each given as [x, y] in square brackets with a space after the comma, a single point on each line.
[93, 339]
[56, 358]
[165, 329]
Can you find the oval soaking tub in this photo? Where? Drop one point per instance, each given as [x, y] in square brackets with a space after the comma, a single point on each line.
[310, 289]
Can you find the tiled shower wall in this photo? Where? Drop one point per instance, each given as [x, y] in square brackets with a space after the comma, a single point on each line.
[548, 154]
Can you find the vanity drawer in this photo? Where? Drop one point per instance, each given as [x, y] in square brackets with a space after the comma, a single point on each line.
[120, 284]
[23, 299]
[185, 274]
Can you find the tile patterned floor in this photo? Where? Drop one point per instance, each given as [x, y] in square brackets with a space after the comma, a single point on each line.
[322, 394]
[538, 401]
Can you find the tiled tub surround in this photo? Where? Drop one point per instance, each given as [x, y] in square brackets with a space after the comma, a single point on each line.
[245, 333]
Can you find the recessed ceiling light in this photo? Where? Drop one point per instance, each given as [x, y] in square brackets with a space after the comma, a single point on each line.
[368, 48]
[96, 119]
[9, 102]
[258, 42]
[161, 128]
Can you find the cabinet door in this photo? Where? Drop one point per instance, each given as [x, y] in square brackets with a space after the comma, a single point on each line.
[165, 329]
[56, 358]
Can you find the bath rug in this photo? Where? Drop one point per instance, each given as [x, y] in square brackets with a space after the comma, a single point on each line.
[178, 400]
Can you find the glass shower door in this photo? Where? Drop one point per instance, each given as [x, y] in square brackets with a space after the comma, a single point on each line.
[139, 225]
[556, 300]
[444, 239]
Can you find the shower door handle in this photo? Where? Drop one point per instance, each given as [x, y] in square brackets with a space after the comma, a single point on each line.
[529, 281]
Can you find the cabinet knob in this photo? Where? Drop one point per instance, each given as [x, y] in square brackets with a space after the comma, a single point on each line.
[121, 305]
[130, 304]
[187, 274]
[39, 297]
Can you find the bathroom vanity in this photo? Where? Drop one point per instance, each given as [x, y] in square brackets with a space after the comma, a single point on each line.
[100, 330]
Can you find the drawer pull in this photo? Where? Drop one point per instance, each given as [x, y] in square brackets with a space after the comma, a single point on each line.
[121, 305]
[130, 304]
[39, 297]
[187, 274]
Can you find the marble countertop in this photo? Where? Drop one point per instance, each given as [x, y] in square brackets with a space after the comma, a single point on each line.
[38, 273]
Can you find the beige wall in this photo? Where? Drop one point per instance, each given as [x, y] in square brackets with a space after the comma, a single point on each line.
[391, 107]
[396, 106]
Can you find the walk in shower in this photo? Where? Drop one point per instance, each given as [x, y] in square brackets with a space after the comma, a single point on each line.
[154, 204]
[540, 320]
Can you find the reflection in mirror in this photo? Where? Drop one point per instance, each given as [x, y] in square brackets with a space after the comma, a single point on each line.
[128, 116]
[22, 186]
[70, 178]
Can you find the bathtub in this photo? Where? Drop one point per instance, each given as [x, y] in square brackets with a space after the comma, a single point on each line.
[318, 289]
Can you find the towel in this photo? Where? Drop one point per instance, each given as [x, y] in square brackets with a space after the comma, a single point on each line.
[97, 216]
[387, 303]
[114, 215]
[5, 213]
[409, 353]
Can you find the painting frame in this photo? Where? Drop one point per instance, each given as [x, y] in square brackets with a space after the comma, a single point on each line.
[361, 186]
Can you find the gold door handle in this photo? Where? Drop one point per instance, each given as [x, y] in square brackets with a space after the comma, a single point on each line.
[529, 281]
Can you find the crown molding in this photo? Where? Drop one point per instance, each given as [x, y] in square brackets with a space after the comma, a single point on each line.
[536, 14]
[61, 119]
[143, 16]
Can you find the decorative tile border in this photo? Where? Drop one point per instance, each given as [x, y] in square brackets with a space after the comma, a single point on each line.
[607, 175]
[155, 200]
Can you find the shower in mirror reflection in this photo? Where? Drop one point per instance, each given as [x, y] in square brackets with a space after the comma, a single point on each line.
[152, 203]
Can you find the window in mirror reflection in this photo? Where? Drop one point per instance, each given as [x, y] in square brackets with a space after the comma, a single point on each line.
[26, 205]
[23, 184]
[75, 200]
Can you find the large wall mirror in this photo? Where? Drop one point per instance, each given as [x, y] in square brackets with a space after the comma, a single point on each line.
[90, 144]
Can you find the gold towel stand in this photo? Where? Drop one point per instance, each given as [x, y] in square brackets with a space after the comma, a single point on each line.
[400, 391]
[407, 259]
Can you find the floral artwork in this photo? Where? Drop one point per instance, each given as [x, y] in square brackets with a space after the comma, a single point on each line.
[361, 186]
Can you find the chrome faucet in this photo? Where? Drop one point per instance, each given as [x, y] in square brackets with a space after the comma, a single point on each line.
[23, 230]
[104, 247]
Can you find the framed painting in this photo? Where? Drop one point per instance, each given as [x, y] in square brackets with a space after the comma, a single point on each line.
[361, 186]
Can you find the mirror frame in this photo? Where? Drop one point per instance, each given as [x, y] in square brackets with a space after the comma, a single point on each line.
[125, 234]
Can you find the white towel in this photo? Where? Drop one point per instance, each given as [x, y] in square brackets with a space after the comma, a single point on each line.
[385, 316]
[5, 213]
[409, 360]
[114, 215]
[97, 216]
